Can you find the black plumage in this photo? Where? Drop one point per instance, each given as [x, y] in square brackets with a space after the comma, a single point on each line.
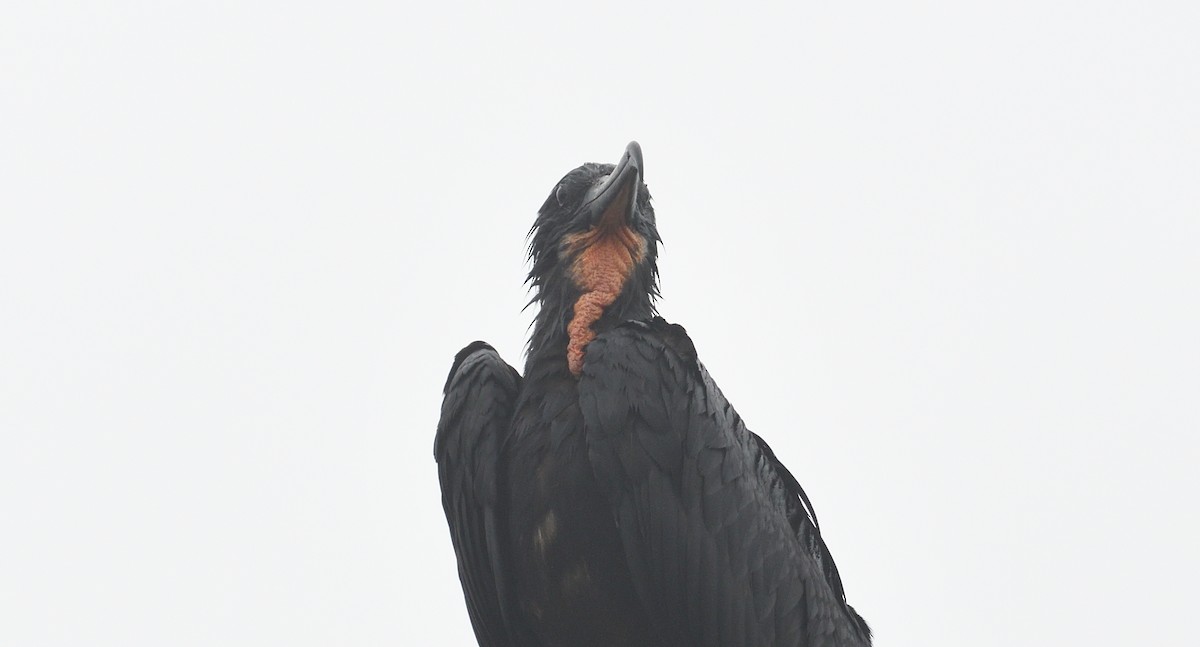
[612, 496]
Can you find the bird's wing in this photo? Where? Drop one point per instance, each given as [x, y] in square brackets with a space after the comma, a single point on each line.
[476, 412]
[701, 507]
[802, 517]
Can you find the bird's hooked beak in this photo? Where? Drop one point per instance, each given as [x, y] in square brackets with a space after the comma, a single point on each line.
[611, 203]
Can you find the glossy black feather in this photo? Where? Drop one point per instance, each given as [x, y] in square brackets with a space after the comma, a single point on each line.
[476, 413]
[712, 524]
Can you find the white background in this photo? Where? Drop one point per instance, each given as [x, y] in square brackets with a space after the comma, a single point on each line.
[942, 255]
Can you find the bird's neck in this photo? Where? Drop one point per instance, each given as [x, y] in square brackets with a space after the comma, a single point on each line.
[563, 329]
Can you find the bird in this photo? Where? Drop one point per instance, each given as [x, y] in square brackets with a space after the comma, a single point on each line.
[609, 495]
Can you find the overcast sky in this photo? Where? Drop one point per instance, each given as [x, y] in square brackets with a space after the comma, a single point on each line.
[942, 255]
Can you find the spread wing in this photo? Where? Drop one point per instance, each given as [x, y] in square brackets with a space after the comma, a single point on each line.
[720, 543]
[476, 412]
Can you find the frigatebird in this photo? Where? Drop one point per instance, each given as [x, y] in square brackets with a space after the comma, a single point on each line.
[611, 496]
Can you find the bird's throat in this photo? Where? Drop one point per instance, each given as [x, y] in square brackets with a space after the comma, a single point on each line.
[605, 259]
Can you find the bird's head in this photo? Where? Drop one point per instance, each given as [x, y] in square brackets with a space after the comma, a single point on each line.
[593, 250]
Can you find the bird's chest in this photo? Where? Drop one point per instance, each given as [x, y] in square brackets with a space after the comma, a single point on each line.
[570, 569]
[560, 525]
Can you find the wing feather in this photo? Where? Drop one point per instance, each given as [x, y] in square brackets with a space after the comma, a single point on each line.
[476, 414]
[720, 540]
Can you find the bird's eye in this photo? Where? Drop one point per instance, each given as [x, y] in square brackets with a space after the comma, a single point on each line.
[559, 194]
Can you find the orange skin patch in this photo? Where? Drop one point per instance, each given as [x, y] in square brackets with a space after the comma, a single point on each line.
[608, 257]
